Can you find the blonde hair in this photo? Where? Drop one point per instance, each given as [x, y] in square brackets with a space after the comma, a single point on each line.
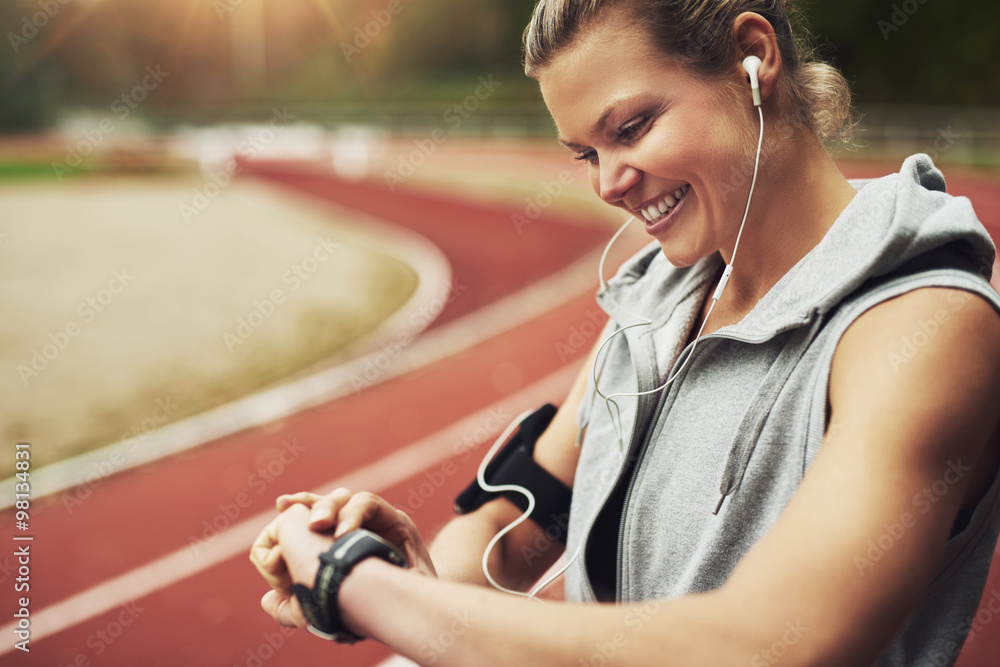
[698, 34]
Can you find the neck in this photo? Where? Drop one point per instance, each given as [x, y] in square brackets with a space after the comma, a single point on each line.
[798, 196]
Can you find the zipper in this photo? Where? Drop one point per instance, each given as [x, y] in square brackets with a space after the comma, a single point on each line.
[641, 376]
[647, 436]
[623, 463]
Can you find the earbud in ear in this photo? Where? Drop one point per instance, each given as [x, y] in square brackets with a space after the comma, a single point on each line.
[751, 64]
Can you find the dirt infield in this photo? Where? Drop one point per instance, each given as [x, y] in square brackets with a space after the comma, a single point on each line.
[121, 316]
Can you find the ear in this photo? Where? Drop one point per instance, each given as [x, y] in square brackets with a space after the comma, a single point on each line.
[755, 36]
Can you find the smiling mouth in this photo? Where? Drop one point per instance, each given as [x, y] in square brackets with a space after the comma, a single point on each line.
[662, 208]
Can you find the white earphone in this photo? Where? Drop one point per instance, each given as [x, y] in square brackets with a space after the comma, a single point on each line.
[751, 64]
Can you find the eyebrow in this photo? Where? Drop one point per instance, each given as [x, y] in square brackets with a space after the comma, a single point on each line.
[596, 128]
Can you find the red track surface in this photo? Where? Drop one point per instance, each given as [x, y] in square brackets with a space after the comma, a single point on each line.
[213, 618]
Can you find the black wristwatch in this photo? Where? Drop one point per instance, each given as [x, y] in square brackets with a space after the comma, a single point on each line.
[320, 604]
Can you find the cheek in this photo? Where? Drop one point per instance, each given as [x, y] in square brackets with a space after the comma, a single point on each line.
[672, 148]
[698, 150]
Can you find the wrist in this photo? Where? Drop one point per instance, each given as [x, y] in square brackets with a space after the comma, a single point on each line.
[322, 604]
[368, 584]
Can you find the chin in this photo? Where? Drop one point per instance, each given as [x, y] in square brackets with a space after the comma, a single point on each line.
[677, 259]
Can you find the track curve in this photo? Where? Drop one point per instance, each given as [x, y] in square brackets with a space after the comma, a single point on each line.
[212, 617]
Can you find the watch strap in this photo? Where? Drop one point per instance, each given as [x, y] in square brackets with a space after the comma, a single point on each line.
[319, 605]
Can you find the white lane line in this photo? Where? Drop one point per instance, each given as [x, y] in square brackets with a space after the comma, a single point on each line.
[376, 477]
[390, 359]
[306, 388]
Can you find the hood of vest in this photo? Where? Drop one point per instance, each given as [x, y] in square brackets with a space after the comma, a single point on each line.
[895, 224]
[892, 221]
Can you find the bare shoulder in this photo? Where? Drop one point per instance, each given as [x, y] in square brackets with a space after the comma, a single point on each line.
[945, 337]
[926, 363]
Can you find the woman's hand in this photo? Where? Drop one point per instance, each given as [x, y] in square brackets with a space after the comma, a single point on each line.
[287, 552]
[343, 511]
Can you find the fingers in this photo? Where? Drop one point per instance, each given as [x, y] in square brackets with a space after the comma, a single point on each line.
[284, 609]
[345, 511]
[325, 510]
[266, 557]
[285, 501]
[368, 510]
[377, 515]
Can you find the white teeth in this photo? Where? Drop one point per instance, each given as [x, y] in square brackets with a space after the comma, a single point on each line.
[654, 211]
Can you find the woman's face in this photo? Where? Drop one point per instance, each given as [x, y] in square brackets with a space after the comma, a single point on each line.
[659, 141]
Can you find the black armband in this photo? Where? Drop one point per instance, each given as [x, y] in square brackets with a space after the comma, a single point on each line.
[515, 464]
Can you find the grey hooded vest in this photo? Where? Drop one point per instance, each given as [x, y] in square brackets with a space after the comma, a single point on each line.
[705, 466]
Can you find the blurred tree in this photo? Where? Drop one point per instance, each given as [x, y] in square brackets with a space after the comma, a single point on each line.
[913, 51]
[320, 51]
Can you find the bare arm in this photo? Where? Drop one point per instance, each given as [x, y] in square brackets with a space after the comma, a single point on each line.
[894, 433]
[516, 562]
[521, 557]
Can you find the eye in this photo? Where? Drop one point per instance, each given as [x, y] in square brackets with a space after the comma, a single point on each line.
[590, 155]
[632, 131]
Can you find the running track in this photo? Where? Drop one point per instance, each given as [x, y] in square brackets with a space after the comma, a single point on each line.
[212, 617]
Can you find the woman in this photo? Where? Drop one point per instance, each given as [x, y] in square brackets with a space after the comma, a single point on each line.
[803, 469]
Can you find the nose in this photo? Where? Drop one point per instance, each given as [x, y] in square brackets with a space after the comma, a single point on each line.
[614, 178]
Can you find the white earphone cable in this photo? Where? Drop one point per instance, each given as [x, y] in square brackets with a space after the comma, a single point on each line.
[609, 399]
